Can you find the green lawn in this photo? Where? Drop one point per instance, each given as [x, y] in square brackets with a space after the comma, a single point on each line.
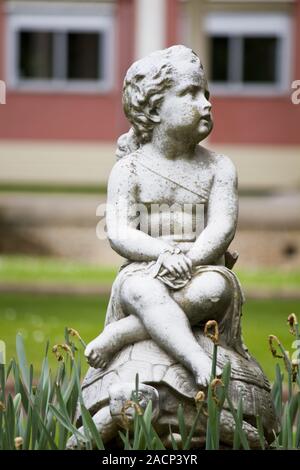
[25, 269]
[270, 279]
[41, 317]
[262, 318]
[51, 188]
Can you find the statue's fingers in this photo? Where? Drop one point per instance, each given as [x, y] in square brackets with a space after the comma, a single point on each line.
[188, 262]
[186, 269]
[164, 272]
[179, 269]
[185, 263]
[172, 271]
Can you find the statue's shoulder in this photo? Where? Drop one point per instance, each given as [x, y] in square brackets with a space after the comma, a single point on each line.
[125, 166]
[221, 164]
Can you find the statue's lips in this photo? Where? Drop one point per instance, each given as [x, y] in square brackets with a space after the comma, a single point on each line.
[206, 118]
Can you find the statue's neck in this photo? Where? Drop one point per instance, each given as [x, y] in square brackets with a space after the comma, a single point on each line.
[169, 150]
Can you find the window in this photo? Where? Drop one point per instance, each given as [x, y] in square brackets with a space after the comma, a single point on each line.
[254, 59]
[71, 51]
[83, 56]
[249, 53]
[219, 58]
[260, 59]
[36, 54]
[60, 55]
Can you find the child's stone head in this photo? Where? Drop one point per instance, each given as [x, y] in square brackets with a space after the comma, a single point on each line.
[146, 83]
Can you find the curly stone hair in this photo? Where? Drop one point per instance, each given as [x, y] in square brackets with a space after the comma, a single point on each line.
[143, 92]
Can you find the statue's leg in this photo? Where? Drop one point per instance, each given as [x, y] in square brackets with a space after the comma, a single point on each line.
[113, 338]
[204, 298]
[166, 322]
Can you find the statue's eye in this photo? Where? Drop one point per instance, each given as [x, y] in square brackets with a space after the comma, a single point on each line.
[191, 90]
[207, 95]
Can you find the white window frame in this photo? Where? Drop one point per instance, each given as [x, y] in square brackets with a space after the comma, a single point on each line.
[248, 24]
[60, 18]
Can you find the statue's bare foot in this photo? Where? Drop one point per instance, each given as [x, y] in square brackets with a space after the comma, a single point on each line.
[100, 351]
[75, 444]
[203, 371]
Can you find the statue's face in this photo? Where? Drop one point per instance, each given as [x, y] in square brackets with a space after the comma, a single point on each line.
[185, 112]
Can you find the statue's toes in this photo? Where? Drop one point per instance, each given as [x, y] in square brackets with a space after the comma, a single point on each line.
[88, 352]
[92, 359]
[100, 363]
[97, 365]
[88, 349]
[203, 378]
[72, 444]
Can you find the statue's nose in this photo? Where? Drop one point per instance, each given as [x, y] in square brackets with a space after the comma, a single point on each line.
[204, 106]
[207, 106]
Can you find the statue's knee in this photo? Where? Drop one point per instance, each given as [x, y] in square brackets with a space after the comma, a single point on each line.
[217, 287]
[138, 291]
[212, 288]
[218, 290]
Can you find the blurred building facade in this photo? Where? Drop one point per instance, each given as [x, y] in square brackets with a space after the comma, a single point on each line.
[64, 62]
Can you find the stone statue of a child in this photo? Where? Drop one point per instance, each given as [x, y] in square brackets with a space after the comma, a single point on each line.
[170, 284]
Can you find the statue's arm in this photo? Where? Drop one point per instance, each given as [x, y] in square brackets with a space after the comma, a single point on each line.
[221, 217]
[122, 214]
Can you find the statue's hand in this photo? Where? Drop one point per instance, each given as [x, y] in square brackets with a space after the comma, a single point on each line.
[178, 265]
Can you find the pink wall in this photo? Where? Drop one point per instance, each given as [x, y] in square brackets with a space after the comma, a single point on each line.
[58, 116]
[172, 22]
[61, 116]
[272, 120]
[256, 121]
[126, 22]
[95, 117]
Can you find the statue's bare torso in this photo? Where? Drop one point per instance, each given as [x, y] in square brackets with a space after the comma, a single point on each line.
[159, 184]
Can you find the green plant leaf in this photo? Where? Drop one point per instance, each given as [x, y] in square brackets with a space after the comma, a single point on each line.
[66, 423]
[25, 373]
[181, 424]
[92, 427]
[260, 430]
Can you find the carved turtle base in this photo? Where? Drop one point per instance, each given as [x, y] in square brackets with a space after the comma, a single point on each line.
[167, 383]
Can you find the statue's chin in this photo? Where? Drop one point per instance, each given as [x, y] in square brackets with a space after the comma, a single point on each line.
[204, 130]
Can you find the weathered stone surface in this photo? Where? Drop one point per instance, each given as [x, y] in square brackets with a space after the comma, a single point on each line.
[172, 213]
